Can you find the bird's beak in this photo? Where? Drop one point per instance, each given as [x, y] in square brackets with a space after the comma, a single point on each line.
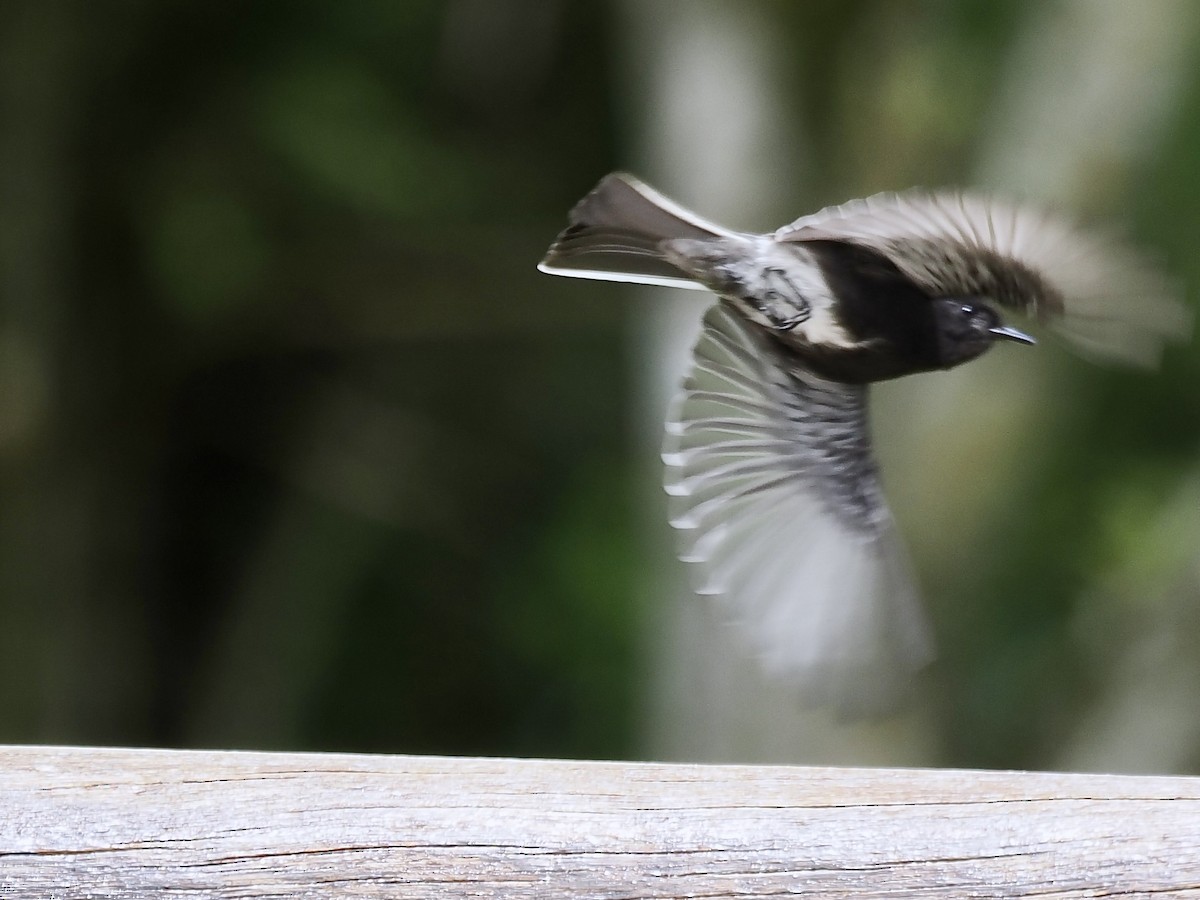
[1011, 334]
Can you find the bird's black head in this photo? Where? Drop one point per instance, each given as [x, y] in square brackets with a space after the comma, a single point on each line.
[898, 326]
[966, 328]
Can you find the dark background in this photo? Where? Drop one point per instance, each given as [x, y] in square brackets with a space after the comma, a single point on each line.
[298, 450]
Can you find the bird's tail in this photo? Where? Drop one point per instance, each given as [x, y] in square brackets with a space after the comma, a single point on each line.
[616, 234]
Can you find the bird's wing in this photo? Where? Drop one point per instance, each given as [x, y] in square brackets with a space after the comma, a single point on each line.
[1093, 288]
[776, 496]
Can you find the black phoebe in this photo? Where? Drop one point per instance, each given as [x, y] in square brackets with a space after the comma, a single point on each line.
[771, 478]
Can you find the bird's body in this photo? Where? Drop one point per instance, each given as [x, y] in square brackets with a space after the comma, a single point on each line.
[772, 481]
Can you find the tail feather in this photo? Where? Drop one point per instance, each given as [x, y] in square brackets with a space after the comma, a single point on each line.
[616, 231]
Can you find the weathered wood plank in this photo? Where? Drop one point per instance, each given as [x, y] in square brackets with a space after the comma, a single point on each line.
[106, 823]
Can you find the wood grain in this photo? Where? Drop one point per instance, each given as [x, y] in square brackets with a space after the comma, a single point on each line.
[108, 823]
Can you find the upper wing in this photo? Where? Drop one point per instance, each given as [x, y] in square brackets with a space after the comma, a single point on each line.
[776, 495]
[1094, 289]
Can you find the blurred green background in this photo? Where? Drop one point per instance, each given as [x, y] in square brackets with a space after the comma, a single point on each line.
[298, 450]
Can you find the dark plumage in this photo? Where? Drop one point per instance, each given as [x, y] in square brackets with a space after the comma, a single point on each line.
[772, 482]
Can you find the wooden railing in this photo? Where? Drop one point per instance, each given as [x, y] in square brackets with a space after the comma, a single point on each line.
[108, 823]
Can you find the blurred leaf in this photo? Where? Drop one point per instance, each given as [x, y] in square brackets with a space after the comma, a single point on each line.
[337, 125]
[208, 251]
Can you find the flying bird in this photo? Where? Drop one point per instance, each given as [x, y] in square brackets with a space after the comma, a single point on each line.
[771, 479]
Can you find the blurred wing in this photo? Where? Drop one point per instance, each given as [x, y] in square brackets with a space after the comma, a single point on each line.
[776, 496]
[1099, 293]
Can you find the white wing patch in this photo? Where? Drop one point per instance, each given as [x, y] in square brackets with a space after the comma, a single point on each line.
[749, 270]
[781, 516]
[1091, 287]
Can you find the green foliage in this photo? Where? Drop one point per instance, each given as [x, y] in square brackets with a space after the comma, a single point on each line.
[296, 448]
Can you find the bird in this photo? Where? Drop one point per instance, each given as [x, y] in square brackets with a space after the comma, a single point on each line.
[772, 483]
